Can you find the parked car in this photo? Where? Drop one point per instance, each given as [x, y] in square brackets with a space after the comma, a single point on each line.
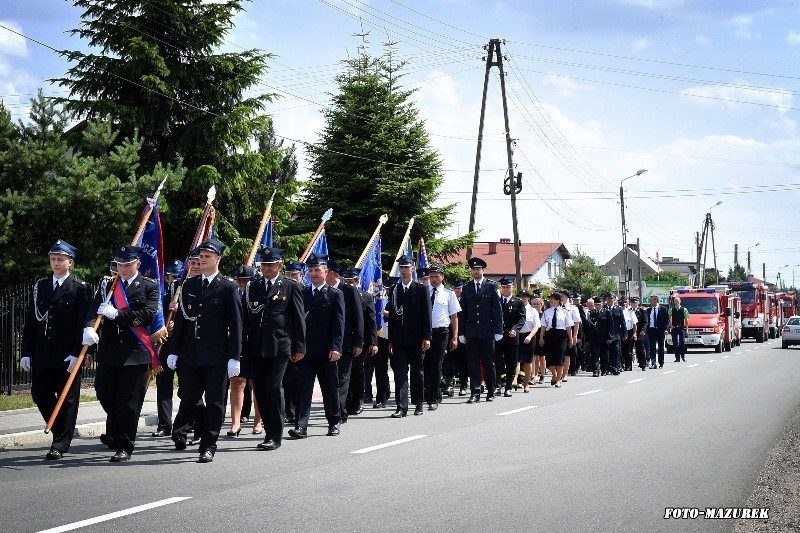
[791, 332]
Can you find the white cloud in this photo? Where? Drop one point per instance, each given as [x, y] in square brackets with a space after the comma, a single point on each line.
[793, 37]
[741, 25]
[566, 86]
[738, 95]
[640, 45]
[10, 43]
[703, 40]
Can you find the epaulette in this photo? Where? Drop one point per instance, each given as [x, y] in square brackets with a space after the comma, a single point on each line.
[150, 279]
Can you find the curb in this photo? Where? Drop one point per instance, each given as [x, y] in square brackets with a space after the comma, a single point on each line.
[37, 437]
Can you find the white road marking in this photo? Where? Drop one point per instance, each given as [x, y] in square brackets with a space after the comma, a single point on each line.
[635, 380]
[387, 444]
[711, 361]
[118, 514]
[694, 365]
[517, 410]
[669, 371]
[747, 350]
[589, 392]
[725, 356]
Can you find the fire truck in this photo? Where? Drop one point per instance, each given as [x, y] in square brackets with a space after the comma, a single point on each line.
[714, 317]
[789, 305]
[755, 309]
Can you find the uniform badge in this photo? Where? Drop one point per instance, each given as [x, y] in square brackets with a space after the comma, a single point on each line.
[189, 306]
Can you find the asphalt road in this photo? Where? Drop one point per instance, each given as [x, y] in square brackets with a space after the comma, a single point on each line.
[598, 454]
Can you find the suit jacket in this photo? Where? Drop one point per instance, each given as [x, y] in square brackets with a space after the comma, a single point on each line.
[513, 318]
[208, 323]
[662, 320]
[409, 314]
[274, 321]
[483, 314]
[641, 321]
[60, 332]
[618, 329]
[370, 326]
[599, 330]
[324, 321]
[353, 318]
[118, 346]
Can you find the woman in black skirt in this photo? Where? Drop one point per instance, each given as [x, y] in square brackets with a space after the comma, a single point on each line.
[527, 342]
[553, 337]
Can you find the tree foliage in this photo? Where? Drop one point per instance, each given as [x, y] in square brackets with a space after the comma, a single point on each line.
[675, 276]
[737, 273]
[582, 274]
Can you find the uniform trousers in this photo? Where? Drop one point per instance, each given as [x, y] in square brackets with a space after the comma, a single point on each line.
[655, 338]
[46, 387]
[121, 391]
[456, 364]
[434, 358]
[597, 351]
[641, 351]
[614, 356]
[268, 374]
[505, 361]
[324, 369]
[378, 365]
[355, 393]
[211, 381]
[343, 368]
[627, 351]
[164, 381]
[480, 352]
[405, 357]
[291, 390]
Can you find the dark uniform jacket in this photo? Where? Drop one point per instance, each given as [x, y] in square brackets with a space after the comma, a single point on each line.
[118, 346]
[599, 330]
[618, 329]
[60, 331]
[208, 324]
[662, 319]
[275, 323]
[483, 315]
[641, 321]
[409, 314]
[513, 318]
[353, 318]
[324, 320]
[370, 326]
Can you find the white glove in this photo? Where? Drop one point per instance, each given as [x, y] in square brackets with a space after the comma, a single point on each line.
[25, 363]
[172, 361]
[70, 360]
[233, 368]
[462, 339]
[108, 311]
[90, 336]
[498, 336]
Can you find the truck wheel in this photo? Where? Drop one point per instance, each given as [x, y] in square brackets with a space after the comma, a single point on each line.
[718, 347]
[760, 335]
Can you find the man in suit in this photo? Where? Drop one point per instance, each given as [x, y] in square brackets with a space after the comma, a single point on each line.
[639, 333]
[165, 378]
[657, 326]
[455, 361]
[378, 363]
[409, 310]
[355, 394]
[505, 358]
[51, 341]
[483, 326]
[123, 358]
[275, 327]
[206, 343]
[324, 307]
[292, 271]
[353, 341]
[618, 334]
[598, 332]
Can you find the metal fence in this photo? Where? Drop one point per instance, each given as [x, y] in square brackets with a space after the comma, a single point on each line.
[13, 305]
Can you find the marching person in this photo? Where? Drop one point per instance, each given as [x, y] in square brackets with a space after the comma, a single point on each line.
[657, 325]
[324, 308]
[123, 356]
[409, 310]
[293, 271]
[355, 393]
[572, 347]
[455, 361]
[206, 343]
[539, 359]
[630, 328]
[555, 337]
[678, 324]
[166, 378]
[527, 335]
[483, 326]
[639, 333]
[379, 362]
[507, 347]
[275, 328]
[51, 341]
[444, 333]
[618, 334]
[599, 333]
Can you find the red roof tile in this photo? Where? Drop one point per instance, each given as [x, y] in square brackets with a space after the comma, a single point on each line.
[532, 256]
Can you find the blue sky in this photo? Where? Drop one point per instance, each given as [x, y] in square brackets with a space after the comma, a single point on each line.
[702, 94]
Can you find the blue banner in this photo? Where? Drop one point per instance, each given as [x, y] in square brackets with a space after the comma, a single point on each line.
[371, 280]
[152, 258]
[320, 248]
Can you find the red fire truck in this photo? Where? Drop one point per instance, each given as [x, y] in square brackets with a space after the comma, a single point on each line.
[789, 305]
[755, 309]
[714, 315]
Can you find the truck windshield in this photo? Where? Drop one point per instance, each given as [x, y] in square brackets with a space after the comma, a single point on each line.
[701, 306]
[748, 297]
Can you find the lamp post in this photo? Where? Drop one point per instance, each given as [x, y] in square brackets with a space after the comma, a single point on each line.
[624, 229]
[748, 257]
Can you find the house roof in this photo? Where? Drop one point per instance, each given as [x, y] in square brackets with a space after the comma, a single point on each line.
[532, 256]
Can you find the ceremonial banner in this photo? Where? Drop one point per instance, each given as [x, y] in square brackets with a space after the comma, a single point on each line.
[120, 300]
[320, 247]
[152, 258]
[371, 280]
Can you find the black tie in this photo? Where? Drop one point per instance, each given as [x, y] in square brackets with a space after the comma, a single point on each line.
[205, 283]
[477, 287]
[124, 283]
[55, 286]
[269, 284]
[433, 296]
[554, 318]
[505, 301]
[314, 292]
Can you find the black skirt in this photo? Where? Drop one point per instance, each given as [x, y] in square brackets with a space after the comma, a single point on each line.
[525, 351]
[555, 345]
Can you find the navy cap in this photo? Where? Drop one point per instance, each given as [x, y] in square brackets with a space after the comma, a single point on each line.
[609, 295]
[405, 261]
[474, 262]
[243, 272]
[555, 295]
[317, 260]
[575, 295]
[459, 283]
[213, 245]
[336, 267]
[351, 273]
[423, 272]
[293, 266]
[194, 254]
[598, 299]
[523, 292]
[436, 268]
[175, 268]
[126, 254]
[392, 281]
[267, 254]
[62, 247]
[505, 280]
[537, 293]
[634, 299]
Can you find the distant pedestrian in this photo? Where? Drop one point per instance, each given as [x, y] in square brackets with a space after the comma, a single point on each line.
[678, 324]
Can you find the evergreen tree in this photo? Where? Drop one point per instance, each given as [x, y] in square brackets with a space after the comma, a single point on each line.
[737, 273]
[582, 274]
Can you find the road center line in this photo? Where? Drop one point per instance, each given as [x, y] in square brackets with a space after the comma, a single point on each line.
[711, 361]
[589, 392]
[748, 350]
[635, 380]
[669, 371]
[694, 365]
[725, 356]
[387, 444]
[517, 410]
[117, 514]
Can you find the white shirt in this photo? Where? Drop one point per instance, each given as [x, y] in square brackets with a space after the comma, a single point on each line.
[444, 306]
[271, 281]
[59, 280]
[209, 278]
[130, 280]
[653, 316]
[563, 318]
[630, 318]
[531, 319]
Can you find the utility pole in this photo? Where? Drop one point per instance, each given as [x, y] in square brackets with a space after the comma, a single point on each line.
[735, 255]
[764, 271]
[624, 240]
[699, 246]
[494, 57]
[639, 251]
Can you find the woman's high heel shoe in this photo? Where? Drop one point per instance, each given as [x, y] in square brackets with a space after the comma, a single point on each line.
[258, 430]
[234, 433]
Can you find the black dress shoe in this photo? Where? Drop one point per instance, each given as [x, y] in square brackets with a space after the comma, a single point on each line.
[450, 392]
[596, 374]
[120, 456]
[289, 420]
[298, 433]
[418, 410]
[507, 393]
[433, 406]
[399, 414]
[160, 433]
[54, 454]
[343, 420]
[180, 444]
[268, 445]
[333, 430]
[677, 361]
[474, 399]
[490, 398]
[206, 457]
[462, 392]
[359, 410]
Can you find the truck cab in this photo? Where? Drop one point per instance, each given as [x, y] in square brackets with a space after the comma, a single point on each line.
[755, 309]
[710, 318]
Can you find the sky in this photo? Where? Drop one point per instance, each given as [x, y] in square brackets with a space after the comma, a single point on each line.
[701, 94]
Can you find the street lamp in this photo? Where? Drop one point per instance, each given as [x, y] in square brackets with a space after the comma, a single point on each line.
[624, 230]
[748, 256]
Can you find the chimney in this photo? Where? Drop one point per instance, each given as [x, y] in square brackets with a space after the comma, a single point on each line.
[633, 247]
[505, 240]
[492, 248]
